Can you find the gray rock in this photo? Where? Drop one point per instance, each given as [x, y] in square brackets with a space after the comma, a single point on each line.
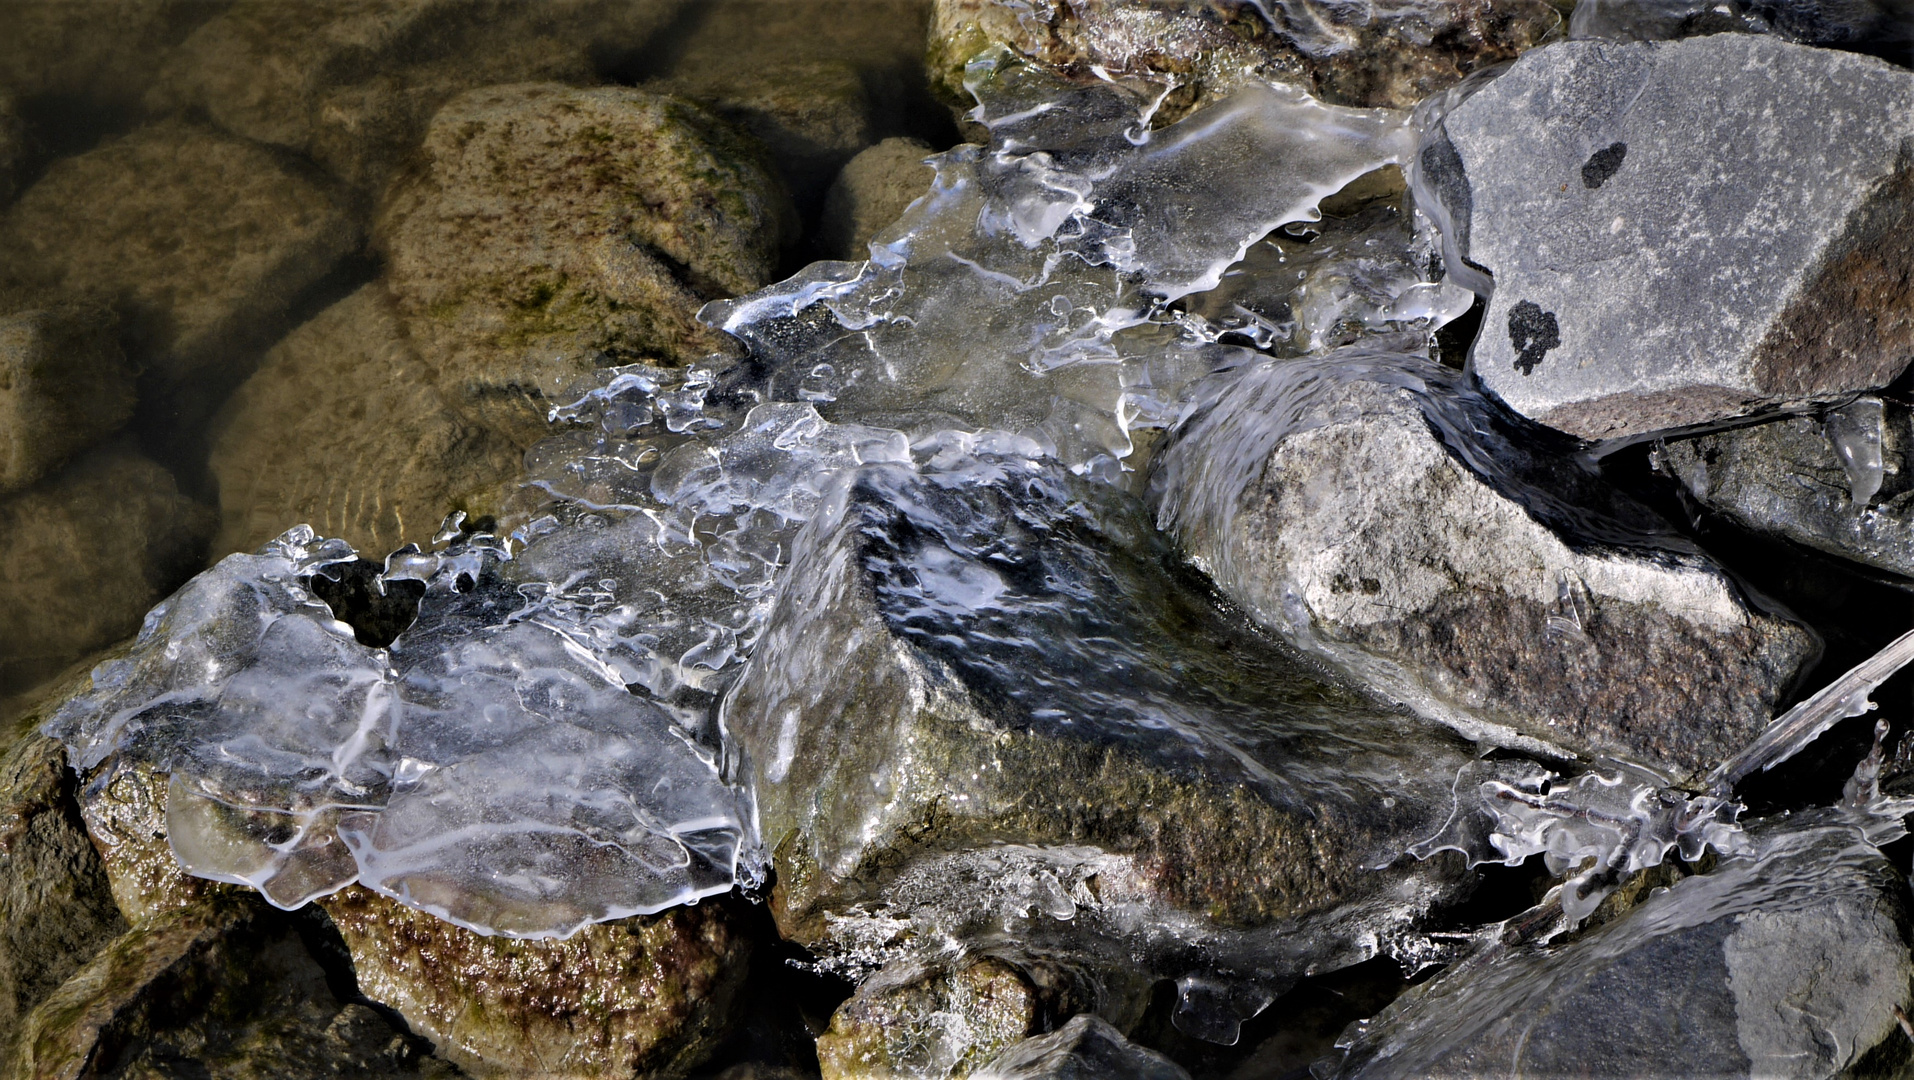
[1086, 1048]
[988, 713]
[64, 384]
[1682, 231]
[870, 194]
[539, 241]
[341, 429]
[201, 240]
[1375, 511]
[1786, 478]
[89, 550]
[1792, 961]
[353, 85]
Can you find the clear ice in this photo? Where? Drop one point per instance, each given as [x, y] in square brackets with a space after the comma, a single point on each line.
[1855, 431]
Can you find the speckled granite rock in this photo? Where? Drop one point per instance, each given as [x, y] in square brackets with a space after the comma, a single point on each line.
[870, 194]
[928, 1024]
[354, 84]
[342, 429]
[1682, 231]
[1085, 1048]
[554, 230]
[1378, 513]
[641, 997]
[64, 384]
[1346, 54]
[89, 549]
[199, 239]
[101, 54]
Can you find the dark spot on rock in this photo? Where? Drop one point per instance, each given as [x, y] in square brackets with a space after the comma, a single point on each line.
[1533, 332]
[1370, 586]
[1602, 164]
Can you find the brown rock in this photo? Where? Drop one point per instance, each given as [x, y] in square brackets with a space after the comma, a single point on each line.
[124, 807]
[553, 230]
[64, 384]
[640, 997]
[89, 550]
[98, 53]
[1345, 54]
[871, 193]
[13, 145]
[934, 1025]
[342, 429]
[201, 240]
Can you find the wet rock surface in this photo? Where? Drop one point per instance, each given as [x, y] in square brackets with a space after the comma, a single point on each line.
[95, 55]
[1789, 478]
[918, 1023]
[1084, 1048]
[1659, 261]
[64, 384]
[555, 230]
[1377, 513]
[13, 145]
[197, 269]
[870, 193]
[342, 428]
[644, 997]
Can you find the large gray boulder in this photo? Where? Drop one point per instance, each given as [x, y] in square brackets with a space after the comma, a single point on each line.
[1791, 961]
[989, 714]
[1681, 231]
[1376, 512]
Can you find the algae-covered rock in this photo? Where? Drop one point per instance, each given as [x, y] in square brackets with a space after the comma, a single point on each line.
[643, 997]
[64, 384]
[342, 429]
[553, 230]
[88, 550]
[354, 84]
[870, 193]
[1348, 54]
[1374, 510]
[1085, 1048]
[219, 989]
[989, 712]
[100, 54]
[928, 1024]
[201, 240]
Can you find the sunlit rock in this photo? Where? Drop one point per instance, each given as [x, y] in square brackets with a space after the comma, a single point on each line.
[1376, 512]
[648, 997]
[1085, 1048]
[872, 191]
[1364, 53]
[201, 240]
[1681, 232]
[1840, 483]
[89, 549]
[1789, 961]
[989, 714]
[928, 1024]
[64, 384]
[552, 231]
[341, 428]
[353, 85]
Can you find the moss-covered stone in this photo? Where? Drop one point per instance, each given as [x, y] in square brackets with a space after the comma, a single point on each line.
[64, 384]
[643, 997]
[342, 429]
[929, 1024]
[89, 550]
[202, 241]
[552, 230]
[124, 807]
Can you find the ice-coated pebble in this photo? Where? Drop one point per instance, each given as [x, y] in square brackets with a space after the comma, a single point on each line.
[929, 1023]
[1680, 232]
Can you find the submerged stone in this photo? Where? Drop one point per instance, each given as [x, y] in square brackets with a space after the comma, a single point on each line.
[648, 997]
[1084, 1048]
[199, 239]
[989, 715]
[1376, 512]
[13, 145]
[552, 231]
[342, 429]
[1681, 232]
[64, 384]
[1788, 478]
[101, 55]
[1349, 54]
[1789, 961]
[872, 191]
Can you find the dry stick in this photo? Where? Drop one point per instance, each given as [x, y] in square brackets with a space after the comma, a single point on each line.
[1801, 725]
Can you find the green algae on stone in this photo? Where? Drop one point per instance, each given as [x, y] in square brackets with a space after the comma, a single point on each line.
[552, 230]
[342, 429]
[928, 1024]
[64, 384]
[200, 240]
[648, 996]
